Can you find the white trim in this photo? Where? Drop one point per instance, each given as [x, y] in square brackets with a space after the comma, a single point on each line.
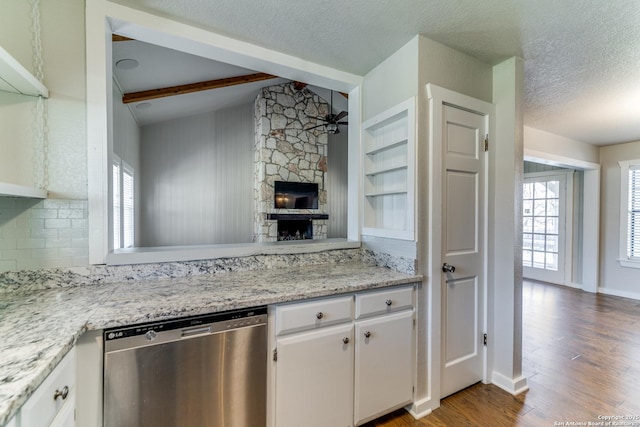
[566, 218]
[623, 258]
[556, 160]
[104, 17]
[439, 97]
[513, 386]
[421, 408]
[618, 293]
[191, 253]
[590, 211]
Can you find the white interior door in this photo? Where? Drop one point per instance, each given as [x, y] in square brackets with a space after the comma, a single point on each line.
[463, 212]
[545, 203]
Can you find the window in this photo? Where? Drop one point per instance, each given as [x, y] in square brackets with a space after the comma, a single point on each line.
[547, 226]
[630, 213]
[123, 204]
[117, 230]
[541, 203]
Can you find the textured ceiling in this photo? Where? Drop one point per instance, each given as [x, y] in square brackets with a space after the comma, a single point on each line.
[582, 57]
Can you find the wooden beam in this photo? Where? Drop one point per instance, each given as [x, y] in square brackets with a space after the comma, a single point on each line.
[118, 38]
[194, 87]
[299, 85]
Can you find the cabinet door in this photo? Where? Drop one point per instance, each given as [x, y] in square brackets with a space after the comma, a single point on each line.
[314, 378]
[383, 365]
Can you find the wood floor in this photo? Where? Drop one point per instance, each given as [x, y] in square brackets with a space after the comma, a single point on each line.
[581, 357]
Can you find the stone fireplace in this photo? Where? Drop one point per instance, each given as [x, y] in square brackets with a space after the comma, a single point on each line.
[287, 150]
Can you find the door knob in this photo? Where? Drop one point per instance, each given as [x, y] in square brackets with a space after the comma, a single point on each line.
[448, 268]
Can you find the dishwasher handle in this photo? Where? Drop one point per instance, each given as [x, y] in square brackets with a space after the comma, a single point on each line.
[192, 332]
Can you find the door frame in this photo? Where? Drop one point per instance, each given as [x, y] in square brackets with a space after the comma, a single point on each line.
[438, 98]
[590, 250]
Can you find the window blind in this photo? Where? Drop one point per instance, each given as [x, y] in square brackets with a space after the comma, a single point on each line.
[116, 206]
[633, 240]
[127, 207]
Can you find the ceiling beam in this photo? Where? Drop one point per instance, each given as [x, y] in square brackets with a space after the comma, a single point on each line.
[119, 38]
[194, 87]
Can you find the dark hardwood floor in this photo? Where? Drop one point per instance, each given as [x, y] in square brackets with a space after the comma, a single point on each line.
[581, 357]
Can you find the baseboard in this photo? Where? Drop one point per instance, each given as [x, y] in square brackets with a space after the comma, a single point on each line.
[421, 408]
[616, 293]
[513, 386]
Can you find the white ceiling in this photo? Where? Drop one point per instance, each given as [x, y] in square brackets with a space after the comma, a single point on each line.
[582, 57]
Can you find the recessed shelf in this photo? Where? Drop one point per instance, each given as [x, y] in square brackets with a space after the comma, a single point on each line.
[17, 79]
[389, 147]
[386, 170]
[386, 193]
[14, 190]
[385, 147]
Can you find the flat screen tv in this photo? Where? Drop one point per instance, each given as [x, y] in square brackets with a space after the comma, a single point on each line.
[296, 195]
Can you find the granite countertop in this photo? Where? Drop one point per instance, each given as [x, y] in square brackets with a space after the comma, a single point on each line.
[38, 327]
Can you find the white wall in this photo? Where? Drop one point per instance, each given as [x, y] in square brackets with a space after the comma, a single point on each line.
[559, 148]
[336, 185]
[614, 279]
[126, 145]
[62, 23]
[53, 232]
[197, 179]
[505, 228]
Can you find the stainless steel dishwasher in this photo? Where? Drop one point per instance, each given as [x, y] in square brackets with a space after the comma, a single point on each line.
[204, 371]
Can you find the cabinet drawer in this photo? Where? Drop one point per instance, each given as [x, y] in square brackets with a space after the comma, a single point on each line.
[41, 407]
[303, 316]
[380, 302]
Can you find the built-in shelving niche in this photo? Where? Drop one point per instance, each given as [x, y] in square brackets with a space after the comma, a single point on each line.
[14, 78]
[389, 169]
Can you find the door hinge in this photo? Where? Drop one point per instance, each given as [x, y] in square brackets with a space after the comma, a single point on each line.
[486, 142]
[484, 340]
[275, 354]
[414, 323]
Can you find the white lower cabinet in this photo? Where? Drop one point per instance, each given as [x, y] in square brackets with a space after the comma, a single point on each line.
[349, 373]
[53, 402]
[315, 367]
[384, 365]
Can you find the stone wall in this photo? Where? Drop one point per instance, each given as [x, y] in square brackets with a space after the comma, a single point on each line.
[286, 149]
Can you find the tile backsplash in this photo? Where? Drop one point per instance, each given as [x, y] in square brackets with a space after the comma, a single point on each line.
[45, 233]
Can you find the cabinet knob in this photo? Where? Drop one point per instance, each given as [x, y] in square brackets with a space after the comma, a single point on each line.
[388, 302]
[319, 315]
[63, 394]
[345, 340]
[367, 334]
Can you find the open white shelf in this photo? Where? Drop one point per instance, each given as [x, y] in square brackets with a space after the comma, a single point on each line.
[14, 190]
[389, 173]
[17, 79]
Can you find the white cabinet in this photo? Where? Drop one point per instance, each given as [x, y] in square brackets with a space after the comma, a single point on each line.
[53, 402]
[314, 378]
[353, 368]
[384, 365]
[389, 169]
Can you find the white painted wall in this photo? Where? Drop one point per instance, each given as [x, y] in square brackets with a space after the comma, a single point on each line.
[337, 181]
[126, 145]
[558, 147]
[62, 23]
[448, 68]
[197, 179]
[615, 279]
[505, 228]
[53, 232]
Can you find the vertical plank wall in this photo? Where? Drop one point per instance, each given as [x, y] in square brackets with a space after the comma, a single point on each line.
[197, 179]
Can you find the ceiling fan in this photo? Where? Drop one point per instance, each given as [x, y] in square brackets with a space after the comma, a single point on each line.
[331, 121]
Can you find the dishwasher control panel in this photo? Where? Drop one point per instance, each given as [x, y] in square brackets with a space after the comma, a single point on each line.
[225, 320]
